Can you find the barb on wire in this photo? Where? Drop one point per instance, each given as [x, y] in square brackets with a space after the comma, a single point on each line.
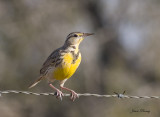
[120, 95]
[79, 94]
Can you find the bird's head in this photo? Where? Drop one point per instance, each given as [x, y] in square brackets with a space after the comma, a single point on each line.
[75, 38]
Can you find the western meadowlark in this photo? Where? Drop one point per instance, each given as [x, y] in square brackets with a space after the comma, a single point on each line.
[62, 64]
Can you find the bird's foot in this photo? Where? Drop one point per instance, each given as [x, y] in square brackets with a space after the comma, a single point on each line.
[59, 94]
[74, 95]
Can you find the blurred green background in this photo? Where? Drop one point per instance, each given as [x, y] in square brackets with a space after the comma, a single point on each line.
[124, 54]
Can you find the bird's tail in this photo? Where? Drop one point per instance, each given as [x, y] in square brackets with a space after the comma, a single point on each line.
[36, 82]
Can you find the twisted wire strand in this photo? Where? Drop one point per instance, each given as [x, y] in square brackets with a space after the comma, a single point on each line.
[79, 94]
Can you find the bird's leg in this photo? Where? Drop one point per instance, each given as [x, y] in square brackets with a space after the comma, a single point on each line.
[58, 92]
[74, 95]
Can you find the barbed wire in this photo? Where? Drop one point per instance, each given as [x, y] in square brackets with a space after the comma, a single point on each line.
[118, 95]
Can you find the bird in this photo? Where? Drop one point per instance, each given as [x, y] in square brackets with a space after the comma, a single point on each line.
[62, 64]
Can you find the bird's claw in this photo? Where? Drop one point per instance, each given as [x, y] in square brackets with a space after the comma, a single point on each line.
[74, 95]
[59, 94]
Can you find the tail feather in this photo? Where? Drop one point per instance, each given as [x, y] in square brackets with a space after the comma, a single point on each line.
[36, 82]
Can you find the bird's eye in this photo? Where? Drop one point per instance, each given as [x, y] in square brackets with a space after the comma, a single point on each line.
[75, 35]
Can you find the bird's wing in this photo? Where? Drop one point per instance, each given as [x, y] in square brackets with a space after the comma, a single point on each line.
[52, 61]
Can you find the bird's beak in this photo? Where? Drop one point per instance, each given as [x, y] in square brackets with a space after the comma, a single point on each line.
[87, 34]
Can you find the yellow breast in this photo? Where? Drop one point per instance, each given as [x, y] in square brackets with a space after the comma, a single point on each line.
[67, 68]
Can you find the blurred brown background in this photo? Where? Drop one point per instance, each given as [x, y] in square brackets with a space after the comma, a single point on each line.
[124, 54]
